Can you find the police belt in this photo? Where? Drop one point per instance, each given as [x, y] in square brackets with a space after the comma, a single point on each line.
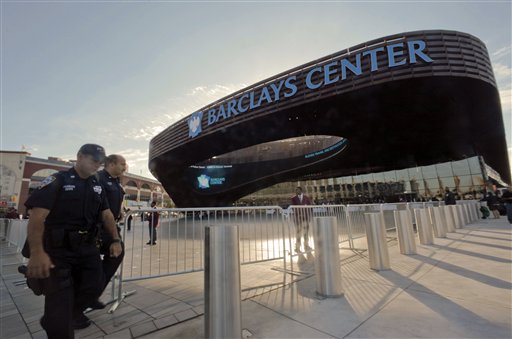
[70, 236]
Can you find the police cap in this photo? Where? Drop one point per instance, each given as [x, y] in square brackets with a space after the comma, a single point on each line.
[97, 152]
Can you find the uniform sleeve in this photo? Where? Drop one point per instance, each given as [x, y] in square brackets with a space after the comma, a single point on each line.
[104, 201]
[45, 195]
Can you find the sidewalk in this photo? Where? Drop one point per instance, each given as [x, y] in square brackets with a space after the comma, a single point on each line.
[458, 288]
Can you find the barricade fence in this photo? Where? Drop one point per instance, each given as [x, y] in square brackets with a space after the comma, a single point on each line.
[265, 233]
[180, 238]
[14, 231]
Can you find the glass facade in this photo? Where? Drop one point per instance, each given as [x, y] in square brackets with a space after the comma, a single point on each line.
[468, 177]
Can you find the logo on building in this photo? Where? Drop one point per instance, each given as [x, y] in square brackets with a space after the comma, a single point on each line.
[204, 181]
[194, 124]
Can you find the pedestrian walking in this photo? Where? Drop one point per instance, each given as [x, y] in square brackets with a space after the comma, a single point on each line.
[154, 220]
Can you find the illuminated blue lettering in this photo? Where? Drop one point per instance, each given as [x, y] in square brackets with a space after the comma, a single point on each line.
[328, 71]
[221, 113]
[265, 95]
[231, 108]
[416, 47]
[277, 89]
[212, 118]
[242, 109]
[320, 76]
[355, 69]
[251, 100]
[291, 86]
[373, 57]
[310, 75]
[392, 53]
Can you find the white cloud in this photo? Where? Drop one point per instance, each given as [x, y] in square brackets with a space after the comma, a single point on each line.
[137, 129]
[506, 100]
[502, 52]
[503, 73]
[177, 108]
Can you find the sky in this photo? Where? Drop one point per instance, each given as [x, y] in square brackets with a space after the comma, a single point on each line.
[116, 73]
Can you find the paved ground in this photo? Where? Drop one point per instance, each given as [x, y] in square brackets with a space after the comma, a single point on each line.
[460, 287]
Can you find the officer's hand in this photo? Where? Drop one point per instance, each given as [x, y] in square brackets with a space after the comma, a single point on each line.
[115, 249]
[39, 265]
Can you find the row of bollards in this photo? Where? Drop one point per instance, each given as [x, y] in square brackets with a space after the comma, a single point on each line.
[222, 257]
[430, 223]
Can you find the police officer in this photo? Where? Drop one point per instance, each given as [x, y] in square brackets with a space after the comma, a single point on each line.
[62, 241]
[115, 166]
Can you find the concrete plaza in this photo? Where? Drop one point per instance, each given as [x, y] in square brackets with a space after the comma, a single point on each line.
[460, 287]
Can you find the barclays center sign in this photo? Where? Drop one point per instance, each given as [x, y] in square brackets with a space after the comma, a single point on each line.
[337, 70]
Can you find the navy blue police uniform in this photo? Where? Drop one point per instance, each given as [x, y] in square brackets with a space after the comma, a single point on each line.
[115, 195]
[69, 239]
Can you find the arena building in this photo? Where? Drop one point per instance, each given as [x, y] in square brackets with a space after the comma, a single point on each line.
[403, 101]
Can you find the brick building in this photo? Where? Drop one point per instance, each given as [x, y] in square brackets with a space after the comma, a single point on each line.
[20, 173]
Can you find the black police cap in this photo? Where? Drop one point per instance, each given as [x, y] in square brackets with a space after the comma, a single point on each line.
[97, 152]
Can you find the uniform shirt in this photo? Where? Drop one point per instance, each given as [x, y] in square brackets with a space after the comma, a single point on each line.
[114, 190]
[72, 201]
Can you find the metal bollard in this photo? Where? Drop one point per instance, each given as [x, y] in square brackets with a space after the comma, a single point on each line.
[472, 212]
[476, 206]
[377, 246]
[222, 289]
[424, 227]
[456, 218]
[462, 217]
[437, 222]
[448, 216]
[467, 214]
[475, 211]
[405, 232]
[327, 262]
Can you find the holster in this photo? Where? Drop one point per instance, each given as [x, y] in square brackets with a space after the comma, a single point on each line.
[59, 279]
[36, 285]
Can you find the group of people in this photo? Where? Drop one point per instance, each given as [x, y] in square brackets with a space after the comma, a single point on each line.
[12, 213]
[302, 216]
[495, 202]
[498, 203]
[74, 245]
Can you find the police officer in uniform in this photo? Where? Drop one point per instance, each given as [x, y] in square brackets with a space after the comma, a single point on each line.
[115, 166]
[62, 240]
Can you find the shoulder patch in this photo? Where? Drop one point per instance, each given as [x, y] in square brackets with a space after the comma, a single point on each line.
[47, 181]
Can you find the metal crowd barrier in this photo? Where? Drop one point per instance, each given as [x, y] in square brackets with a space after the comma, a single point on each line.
[14, 231]
[266, 233]
[179, 246]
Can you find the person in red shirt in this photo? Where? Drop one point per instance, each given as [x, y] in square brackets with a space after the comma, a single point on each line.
[301, 218]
